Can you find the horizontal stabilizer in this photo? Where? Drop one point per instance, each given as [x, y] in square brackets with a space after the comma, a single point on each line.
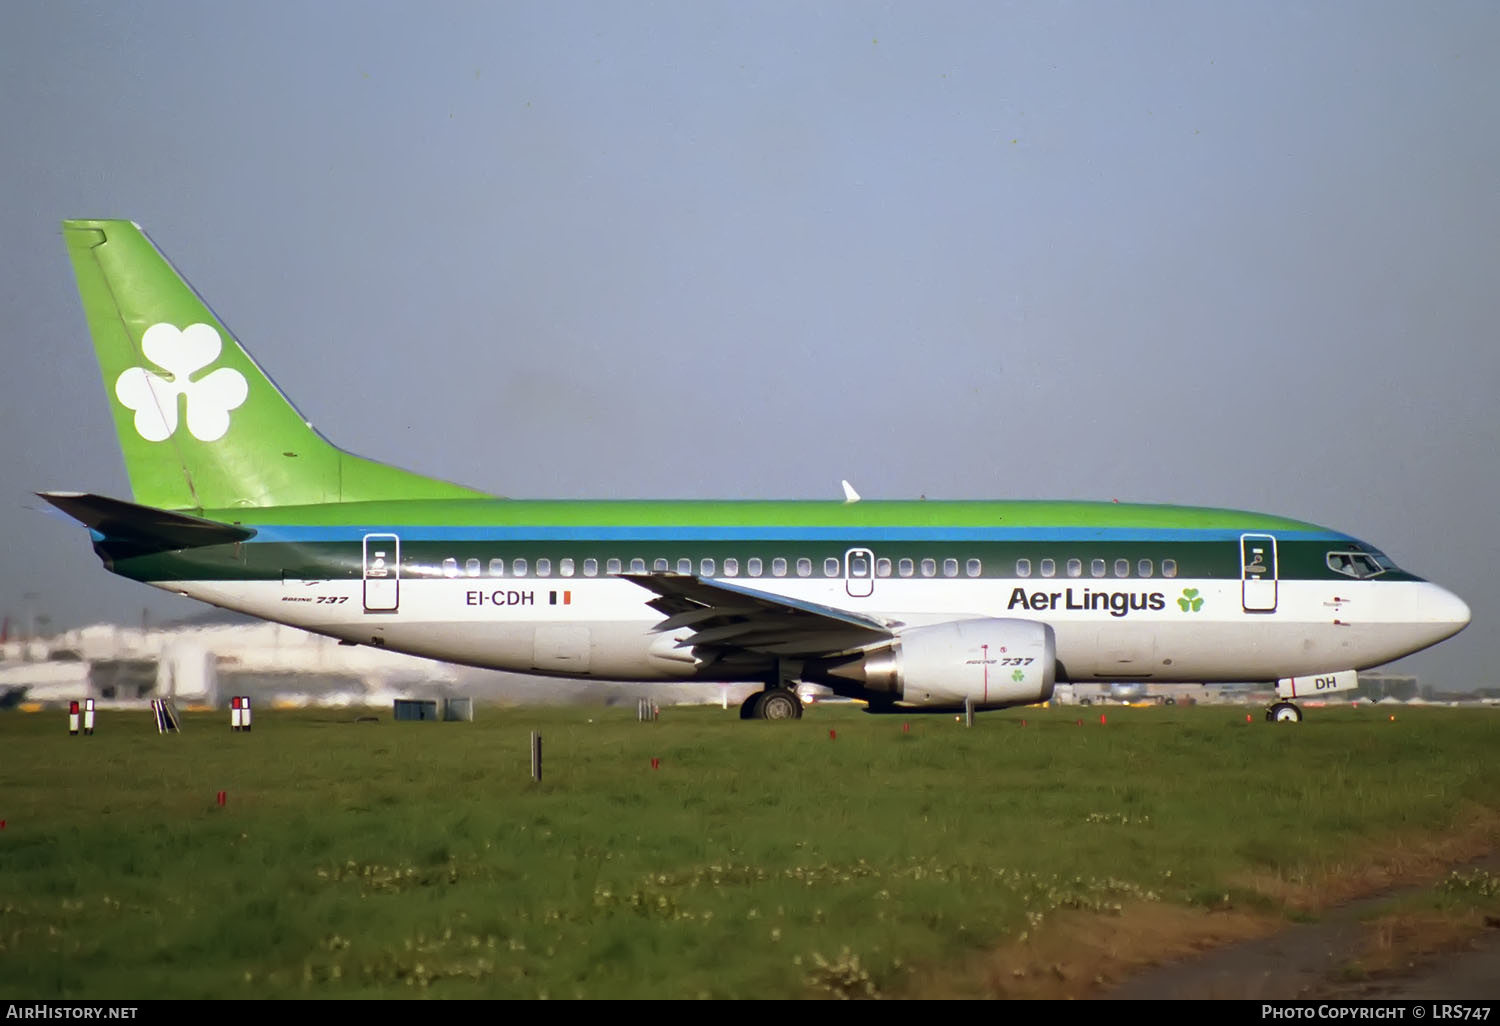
[157, 528]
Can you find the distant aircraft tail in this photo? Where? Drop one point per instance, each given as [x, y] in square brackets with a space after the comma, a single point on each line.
[200, 425]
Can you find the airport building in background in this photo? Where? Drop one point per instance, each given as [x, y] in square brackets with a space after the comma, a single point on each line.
[200, 664]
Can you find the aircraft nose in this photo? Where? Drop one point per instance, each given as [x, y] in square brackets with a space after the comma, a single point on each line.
[1448, 610]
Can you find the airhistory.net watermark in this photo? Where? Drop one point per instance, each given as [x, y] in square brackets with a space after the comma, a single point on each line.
[42, 1010]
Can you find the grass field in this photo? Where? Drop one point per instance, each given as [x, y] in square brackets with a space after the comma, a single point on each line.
[761, 859]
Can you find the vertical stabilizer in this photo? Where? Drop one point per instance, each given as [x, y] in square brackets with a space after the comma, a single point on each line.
[200, 425]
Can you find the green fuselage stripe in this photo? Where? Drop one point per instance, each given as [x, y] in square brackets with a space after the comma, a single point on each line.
[425, 558]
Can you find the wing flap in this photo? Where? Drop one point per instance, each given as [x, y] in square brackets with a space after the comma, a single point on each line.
[730, 619]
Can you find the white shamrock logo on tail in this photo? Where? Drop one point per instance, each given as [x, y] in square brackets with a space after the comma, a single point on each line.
[181, 354]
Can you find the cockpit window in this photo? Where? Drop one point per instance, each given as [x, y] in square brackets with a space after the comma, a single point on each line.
[1358, 565]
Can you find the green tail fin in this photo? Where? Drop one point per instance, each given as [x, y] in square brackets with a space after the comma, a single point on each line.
[200, 425]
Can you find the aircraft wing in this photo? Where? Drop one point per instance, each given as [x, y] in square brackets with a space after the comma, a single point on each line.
[734, 619]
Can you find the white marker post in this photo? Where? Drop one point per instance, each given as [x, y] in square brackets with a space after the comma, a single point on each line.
[88, 716]
[166, 716]
[245, 712]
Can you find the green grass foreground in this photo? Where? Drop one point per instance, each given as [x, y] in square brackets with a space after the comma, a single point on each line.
[759, 860]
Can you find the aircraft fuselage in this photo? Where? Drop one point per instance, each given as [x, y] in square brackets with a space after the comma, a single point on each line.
[1220, 596]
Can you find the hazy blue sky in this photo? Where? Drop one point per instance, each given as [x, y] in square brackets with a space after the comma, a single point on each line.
[1228, 254]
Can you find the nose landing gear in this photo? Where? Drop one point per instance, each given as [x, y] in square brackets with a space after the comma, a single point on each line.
[1283, 712]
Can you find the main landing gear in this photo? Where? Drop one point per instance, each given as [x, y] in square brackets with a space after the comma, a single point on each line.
[779, 700]
[774, 703]
[1283, 712]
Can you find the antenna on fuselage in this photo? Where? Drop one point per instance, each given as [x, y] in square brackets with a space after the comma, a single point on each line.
[850, 495]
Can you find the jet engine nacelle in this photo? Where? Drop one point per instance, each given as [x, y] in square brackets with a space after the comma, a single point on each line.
[994, 662]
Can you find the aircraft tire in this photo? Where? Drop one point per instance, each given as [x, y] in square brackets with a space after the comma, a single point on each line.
[1283, 712]
[747, 707]
[778, 704]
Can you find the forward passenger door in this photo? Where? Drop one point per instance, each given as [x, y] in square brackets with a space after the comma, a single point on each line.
[1258, 572]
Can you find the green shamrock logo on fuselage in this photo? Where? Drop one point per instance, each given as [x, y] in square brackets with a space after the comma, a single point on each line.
[1191, 601]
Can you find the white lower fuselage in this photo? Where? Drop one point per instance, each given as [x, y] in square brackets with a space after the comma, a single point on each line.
[601, 627]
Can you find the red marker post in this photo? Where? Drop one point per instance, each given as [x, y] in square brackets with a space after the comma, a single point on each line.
[72, 719]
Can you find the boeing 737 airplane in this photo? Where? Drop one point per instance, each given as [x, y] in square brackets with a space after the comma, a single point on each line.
[908, 606]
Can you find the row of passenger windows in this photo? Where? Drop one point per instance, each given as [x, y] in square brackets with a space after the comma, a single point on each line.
[1098, 568]
[780, 566]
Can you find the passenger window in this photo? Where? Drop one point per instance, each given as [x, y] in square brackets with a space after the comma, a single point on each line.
[518, 568]
[1169, 568]
[1143, 568]
[565, 567]
[859, 566]
[831, 567]
[450, 567]
[882, 567]
[684, 565]
[660, 566]
[590, 567]
[1049, 567]
[950, 568]
[471, 567]
[731, 567]
[752, 566]
[929, 568]
[1023, 568]
[544, 567]
[1075, 568]
[974, 568]
[1096, 567]
[705, 567]
[497, 568]
[637, 565]
[1122, 568]
[804, 567]
[778, 566]
[906, 568]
